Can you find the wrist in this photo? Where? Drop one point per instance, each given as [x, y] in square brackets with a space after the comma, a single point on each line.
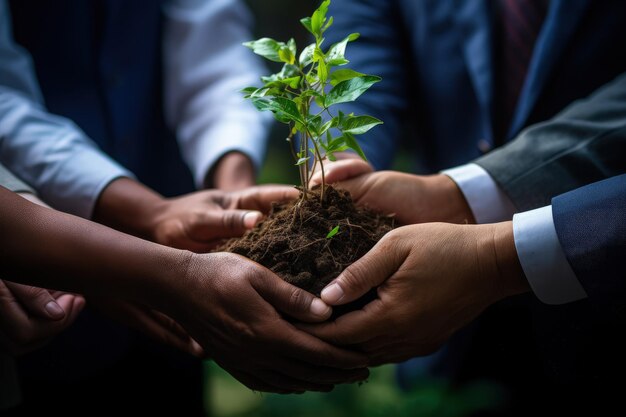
[130, 207]
[450, 203]
[510, 278]
[233, 171]
[170, 280]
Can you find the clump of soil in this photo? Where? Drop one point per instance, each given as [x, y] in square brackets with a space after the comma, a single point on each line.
[293, 243]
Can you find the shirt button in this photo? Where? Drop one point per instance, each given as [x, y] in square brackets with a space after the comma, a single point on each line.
[484, 146]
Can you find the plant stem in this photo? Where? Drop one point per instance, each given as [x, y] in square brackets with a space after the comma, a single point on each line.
[318, 157]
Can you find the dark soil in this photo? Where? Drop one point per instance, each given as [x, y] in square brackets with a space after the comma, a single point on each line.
[293, 243]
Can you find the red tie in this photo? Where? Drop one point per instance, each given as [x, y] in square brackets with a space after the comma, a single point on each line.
[520, 22]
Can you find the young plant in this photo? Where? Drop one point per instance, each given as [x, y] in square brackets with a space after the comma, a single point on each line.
[313, 77]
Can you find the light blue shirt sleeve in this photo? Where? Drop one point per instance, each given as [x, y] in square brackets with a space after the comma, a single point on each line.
[540, 253]
[48, 152]
[488, 202]
[206, 67]
[548, 272]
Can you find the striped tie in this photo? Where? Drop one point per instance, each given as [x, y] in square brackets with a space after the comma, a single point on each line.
[519, 23]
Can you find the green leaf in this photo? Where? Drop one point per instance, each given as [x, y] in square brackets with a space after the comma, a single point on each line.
[303, 161]
[328, 24]
[332, 233]
[314, 123]
[267, 48]
[288, 71]
[287, 53]
[306, 57]
[352, 143]
[284, 110]
[350, 90]
[343, 75]
[286, 56]
[319, 18]
[322, 71]
[306, 22]
[337, 53]
[359, 124]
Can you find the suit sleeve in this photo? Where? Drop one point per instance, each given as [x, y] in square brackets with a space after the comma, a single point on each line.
[379, 51]
[583, 144]
[591, 226]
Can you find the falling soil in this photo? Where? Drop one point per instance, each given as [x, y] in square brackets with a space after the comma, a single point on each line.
[293, 241]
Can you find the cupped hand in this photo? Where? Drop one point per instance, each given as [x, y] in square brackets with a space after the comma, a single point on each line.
[30, 317]
[237, 310]
[412, 198]
[200, 221]
[432, 279]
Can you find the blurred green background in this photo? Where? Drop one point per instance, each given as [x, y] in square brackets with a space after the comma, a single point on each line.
[380, 396]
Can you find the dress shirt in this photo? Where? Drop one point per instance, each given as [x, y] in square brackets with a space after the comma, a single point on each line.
[540, 253]
[49, 152]
[206, 67]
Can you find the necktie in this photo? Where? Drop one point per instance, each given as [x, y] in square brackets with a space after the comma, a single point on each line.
[519, 23]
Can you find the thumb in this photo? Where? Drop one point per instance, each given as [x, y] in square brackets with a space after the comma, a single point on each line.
[342, 171]
[37, 301]
[291, 300]
[368, 272]
[230, 223]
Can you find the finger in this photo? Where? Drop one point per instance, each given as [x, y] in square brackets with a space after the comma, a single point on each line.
[37, 301]
[43, 330]
[400, 351]
[319, 374]
[261, 198]
[158, 327]
[368, 272]
[341, 171]
[288, 299]
[179, 332]
[224, 224]
[256, 384]
[304, 347]
[12, 315]
[353, 328]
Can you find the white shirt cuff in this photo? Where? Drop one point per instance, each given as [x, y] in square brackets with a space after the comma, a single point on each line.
[76, 186]
[488, 202]
[236, 136]
[548, 272]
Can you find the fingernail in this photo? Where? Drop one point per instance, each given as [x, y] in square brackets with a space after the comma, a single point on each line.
[54, 310]
[251, 218]
[319, 308]
[332, 294]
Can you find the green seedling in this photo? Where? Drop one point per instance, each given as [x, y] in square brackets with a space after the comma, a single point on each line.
[332, 233]
[315, 76]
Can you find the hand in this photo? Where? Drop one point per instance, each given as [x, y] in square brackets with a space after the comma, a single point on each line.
[30, 317]
[432, 280]
[199, 222]
[412, 198]
[196, 222]
[231, 306]
[150, 322]
[234, 171]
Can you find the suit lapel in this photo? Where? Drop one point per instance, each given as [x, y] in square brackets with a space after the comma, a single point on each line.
[474, 20]
[561, 22]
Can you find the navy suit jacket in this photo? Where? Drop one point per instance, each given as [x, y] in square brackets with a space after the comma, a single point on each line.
[591, 225]
[436, 58]
[99, 63]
